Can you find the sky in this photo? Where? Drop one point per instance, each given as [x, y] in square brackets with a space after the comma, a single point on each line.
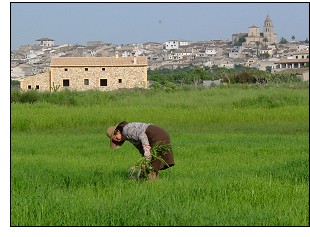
[140, 22]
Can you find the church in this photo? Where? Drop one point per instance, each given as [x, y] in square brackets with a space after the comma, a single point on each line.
[254, 36]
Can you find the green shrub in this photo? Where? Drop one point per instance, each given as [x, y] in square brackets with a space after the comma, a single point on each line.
[65, 97]
[15, 95]
[284, 78]
[29, 96]
[156, 85]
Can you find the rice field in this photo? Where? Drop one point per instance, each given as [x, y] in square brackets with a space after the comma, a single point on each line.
[241, 152]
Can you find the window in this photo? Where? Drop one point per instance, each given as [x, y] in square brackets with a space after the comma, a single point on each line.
[29, 87]
[86, 69]
[65, 82]
[103, 69]
[66, 69]
[86, 82]
[103, 82]
[37, 87]
[120, 80]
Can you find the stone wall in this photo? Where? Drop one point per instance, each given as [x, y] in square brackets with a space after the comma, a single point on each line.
[116, 77]
[38, 82]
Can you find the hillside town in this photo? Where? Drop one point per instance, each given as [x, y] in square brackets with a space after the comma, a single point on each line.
[255, 48]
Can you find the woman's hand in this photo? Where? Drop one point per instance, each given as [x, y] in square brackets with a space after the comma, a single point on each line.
[147, 152]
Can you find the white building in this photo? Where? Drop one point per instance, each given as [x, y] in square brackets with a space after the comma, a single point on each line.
[302, 47]
[45, 42]
[172, 44]
[20, 71]
[235, 52]
[184, 42]
[211, 52]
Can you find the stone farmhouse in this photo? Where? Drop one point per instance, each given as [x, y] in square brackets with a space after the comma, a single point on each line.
[90, 73]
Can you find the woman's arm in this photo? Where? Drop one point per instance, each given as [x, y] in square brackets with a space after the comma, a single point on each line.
[136, 131]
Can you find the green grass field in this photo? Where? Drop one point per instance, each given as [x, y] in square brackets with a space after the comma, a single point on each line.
[241, 152]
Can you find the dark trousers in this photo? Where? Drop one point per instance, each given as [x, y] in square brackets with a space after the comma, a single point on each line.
[157, 136]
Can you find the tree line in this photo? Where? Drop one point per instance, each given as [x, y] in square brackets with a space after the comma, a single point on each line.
[196, 75]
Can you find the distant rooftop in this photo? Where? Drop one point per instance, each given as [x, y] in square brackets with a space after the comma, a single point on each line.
[45, 39]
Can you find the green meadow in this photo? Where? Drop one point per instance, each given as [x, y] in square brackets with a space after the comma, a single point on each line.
[241, 153]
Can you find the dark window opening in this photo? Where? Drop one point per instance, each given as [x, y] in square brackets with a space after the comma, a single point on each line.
[120, 80]
[103, 69]
[103, 82]
[86, 82]
[66, 69]
[29, 86]
[65, 82]
[86, 69]
[37, 87]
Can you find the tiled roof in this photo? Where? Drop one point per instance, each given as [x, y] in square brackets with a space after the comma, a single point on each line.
[98, 61]
[45, 39]
[301, 60]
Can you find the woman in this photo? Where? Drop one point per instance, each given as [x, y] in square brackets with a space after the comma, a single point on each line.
[143, 136]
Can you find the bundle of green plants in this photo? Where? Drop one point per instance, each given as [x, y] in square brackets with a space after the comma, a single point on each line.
[144, 166]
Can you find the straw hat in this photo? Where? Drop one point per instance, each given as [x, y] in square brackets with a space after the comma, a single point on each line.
[113, 145]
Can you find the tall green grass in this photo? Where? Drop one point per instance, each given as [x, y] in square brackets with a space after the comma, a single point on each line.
[241, 159]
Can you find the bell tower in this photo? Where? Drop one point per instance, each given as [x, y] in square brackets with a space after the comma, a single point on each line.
[268, 31]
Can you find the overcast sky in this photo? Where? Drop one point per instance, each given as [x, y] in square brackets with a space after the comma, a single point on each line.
[121, 23]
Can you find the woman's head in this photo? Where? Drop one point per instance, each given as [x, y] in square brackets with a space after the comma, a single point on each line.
[116, 137]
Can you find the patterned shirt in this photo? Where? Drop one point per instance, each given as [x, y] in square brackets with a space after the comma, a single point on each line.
[135, 133]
